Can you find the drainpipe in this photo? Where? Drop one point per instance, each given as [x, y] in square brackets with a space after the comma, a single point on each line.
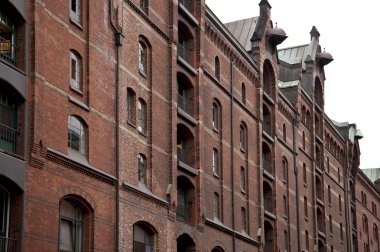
[118, 43]
[232, 153]
[297, 189]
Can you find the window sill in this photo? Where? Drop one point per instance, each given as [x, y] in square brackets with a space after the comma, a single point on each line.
[242, 149]
[78, 103]
[284, 181]
[143, 74]
[306, 218]
[216, 175]
[76, 90]
[76, 23]
[215, 130]
[242, 191]
[143, 133]
[131, 123]
[304, 184]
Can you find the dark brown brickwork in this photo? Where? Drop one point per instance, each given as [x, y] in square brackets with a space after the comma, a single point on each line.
[211, 152]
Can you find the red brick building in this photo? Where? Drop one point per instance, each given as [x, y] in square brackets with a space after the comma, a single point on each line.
[135, 125]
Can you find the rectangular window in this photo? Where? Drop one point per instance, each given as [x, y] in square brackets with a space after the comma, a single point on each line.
[307, 239]
[340, 204]
[285, 205]
[141, 107]
[304, 174]
[331, 224]
[242, 179]
[215, 162]
[286, 240]
[131, 116]
[341, 232]
[329, 195]
[75, 10]
[243, 219]
[142, 169]
[305, 206]
[216, 206]
[75, 71]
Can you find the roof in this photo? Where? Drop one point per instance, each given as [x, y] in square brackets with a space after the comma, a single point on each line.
[373, 174]
[243, 30]
[294, 55]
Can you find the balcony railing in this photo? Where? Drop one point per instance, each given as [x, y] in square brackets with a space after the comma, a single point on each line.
[8, 244]
[183, 53]
[8, 138]
[184, 104]
[8, 51]
[184, 156]
[184, 212]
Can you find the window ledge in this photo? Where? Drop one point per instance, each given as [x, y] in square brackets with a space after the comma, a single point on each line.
[187, 116]
[143, 190]
[269, 215]
[76, 90]
[215, 130]
[142, 133]
[268, 137]
[216, 175]
[187, 168]
[132, 123]
[187, 66]
[268, 175]
[79, 103]
[76, 23]
[143, 74]
[189, 16]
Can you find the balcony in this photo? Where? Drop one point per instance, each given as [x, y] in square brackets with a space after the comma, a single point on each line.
[8, 138]
[8, 244]
[184, 53]
[184, 213]
[185, 104]
[8, 51]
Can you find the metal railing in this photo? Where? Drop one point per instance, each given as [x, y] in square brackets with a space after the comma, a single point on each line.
[8, 51]
[184, 104]
[183, 156]
[8, 138]
[184, 53]
[184, 213]
[8, 244]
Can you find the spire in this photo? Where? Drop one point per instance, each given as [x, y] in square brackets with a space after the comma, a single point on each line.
[265, 8]
[314, 33]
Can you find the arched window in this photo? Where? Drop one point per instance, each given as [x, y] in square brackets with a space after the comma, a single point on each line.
[305, 207]
[142, 172]
[71, 226]
[307, 239]
[217, 68]
[215, 162]
[77, 137]
[141, 108]
[285, 206]
[244, 219]
[308, 119]
[142, 239]
[75, 71]
[285, 170]
[375, 233]
[75, 10]
[243, 137]
[365, 224]
[242, 179]
[143, 58]
[215, 116]
[4, 216]
[303, 141]
[131, 106]
[216, 206]
[243, 95]
[284, 132]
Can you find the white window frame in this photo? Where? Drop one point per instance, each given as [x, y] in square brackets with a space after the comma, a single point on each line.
[75, 81]
[75, 14]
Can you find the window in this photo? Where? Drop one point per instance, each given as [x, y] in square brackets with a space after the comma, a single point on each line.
[144, 5]
[5, 203]
[242, 179]
[303, 141]
[70, 227]
[142, 239]
[365, 224]
[243, 97]
[77, 137]
[305, 206]
[243, 138]
[329, 195]
[328, 164]
[338, 174]
[215, 116]
[243, 219]
[215, 162]
[142, 172]
[340, 204]
[285, 205]
[285, 170]
[304, 174]
[75, 71]
[131, 101]
[217, 68]
[286, 240]
[141, 108]
[375, 233]
[142, 58]
[9, 115]
[341, 232]
[284, 132]
[216, 206]
[75, 10]
[307, 239]
[331, 225]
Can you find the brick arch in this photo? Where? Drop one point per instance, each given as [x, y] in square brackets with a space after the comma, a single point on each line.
[76, 191]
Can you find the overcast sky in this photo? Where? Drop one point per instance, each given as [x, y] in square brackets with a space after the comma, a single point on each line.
[350, 32]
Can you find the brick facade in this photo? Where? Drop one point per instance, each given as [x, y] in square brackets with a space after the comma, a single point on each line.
[147, 125]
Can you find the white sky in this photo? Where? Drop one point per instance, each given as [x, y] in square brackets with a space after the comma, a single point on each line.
[350, 32]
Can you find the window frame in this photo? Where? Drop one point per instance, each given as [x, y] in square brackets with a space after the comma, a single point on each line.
[76, 15]
[243, 137]
[215, 116]
[131, 106]
[148, 239]
[142, 168]
[76, 79]
[217, 212]
[215, 162]
[143, 58]
[243, 180]
[142, 116]
[83, 135]
[77, 225]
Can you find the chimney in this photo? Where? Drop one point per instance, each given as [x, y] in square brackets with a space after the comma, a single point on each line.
[314, 33]
[265, 9]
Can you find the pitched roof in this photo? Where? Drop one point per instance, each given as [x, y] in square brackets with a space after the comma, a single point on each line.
[242, 30]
